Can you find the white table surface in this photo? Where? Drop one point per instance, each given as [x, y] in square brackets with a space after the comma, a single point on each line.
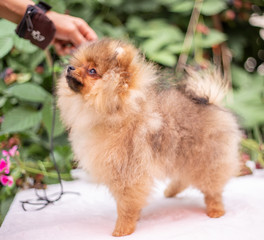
[92, 215]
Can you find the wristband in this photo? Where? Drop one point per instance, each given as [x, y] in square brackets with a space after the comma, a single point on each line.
[36, 26]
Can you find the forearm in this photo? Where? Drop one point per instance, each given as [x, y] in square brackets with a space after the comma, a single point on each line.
[14, 10]
[70, 32]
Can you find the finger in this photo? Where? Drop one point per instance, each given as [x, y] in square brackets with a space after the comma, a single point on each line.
[86, 30]
[77, 38]
[58, 49]
[62, 48]
[91, 35]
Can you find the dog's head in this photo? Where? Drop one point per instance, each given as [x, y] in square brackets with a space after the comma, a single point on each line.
[109, 75]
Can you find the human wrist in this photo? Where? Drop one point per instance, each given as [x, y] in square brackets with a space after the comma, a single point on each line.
[13, 10]
[36, 26]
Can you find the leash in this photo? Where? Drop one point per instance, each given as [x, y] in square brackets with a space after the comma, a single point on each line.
[43, 200]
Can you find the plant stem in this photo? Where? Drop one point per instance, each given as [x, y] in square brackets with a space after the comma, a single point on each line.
[224, 59]
[189, 36]
[257, 134]
[48, 58]
[65, 176]
[27, 169]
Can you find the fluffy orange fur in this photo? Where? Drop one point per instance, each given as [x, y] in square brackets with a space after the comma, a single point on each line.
[126, 132]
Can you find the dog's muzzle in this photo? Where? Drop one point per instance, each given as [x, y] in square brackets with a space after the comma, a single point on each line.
[72, 81]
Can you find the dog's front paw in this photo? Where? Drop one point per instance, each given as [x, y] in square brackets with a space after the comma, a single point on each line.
[123, 229]
[214, 205]
[215, 213]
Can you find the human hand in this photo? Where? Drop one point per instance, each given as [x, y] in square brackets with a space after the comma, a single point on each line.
[70, 32]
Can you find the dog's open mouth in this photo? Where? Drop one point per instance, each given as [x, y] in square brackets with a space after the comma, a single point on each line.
[73, 83]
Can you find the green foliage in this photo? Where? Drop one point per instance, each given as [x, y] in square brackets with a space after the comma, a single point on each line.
[6, 37]
[4, 206]
[248, 97]
[6, 45]
[29, 92]
[19, 119]
[212, 7]
[47, 115]
[213, 38]
[252, 147]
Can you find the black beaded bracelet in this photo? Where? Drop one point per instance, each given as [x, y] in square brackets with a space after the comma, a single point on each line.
[36, 26]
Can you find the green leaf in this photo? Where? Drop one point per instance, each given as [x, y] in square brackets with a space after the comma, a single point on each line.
[163, 57]
[47, 114]
[36, 58]
[4, 207]
[112, 31]
[134, 23]
[57, 6]
[112, 3]
[63, 156]
[240, 78]
[80, 9]
[25, 62]
[23, 77]
[247, 98]
[156, 28]
[7, 28]
[24, 45]
[152, 45]
[214, 37]
[2, 101]
[6, 44]
[15, 64]
[184, 6]
[212, 7]
[2, 86]
[250, 115]
[29, 92]
[160, 35]
[20, 119]
[136, 6]
[175, 48]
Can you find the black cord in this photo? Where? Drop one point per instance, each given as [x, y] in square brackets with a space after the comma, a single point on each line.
[43, 201]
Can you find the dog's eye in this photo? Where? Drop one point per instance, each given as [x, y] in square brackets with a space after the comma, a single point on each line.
[92, 71]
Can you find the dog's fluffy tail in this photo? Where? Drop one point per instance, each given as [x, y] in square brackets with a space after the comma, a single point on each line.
[205, 87]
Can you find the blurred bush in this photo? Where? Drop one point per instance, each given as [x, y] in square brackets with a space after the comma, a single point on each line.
[159, 28]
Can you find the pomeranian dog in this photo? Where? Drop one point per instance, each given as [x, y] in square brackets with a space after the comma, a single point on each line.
[126, 132]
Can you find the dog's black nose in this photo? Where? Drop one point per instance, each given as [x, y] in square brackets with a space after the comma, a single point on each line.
[70, 68]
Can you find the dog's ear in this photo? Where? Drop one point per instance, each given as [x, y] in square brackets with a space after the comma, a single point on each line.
[125, 55]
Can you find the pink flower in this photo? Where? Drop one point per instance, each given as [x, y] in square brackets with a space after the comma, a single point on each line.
[5, 153]
[12, 152]
[6, 180]
[3, 165]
